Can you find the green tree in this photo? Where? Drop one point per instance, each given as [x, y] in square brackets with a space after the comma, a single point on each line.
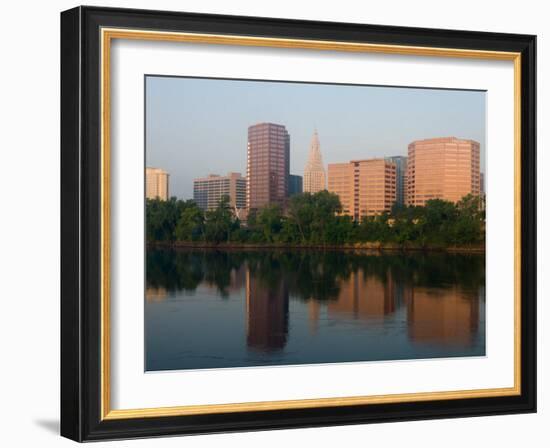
[438, 225]
[312, 214]
[470, 223]
[301, 213]
[270, 220]
[190, 226]
[218, 222]
[325, 207]
[161, 218]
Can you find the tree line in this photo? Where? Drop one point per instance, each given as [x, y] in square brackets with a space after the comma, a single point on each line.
[316, 219]
[306, 273]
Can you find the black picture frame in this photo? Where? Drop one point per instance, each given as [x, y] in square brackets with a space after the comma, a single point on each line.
[81, 224]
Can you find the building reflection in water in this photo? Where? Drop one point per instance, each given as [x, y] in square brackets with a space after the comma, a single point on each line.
[266, 314]
[364, 297]
[153, 294]
[436, 316]
[427, 302]
[443, 316]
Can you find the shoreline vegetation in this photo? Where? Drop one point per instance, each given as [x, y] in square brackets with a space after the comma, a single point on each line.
[374, 246]
[315, 221]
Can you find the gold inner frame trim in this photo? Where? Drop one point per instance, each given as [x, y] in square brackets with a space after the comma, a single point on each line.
[107, 35]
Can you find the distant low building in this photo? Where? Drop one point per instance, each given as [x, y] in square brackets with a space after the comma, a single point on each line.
[208, 191]
[156, 184]
[365, 187]
[295, 185]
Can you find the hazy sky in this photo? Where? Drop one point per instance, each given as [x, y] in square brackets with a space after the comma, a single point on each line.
[195, 127]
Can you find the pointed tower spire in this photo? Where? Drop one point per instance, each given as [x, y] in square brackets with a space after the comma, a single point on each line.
[314, 172]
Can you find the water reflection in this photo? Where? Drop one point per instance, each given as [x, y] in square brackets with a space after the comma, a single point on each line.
[365, 296]
[266, 314]
[442, 316]
[297, 307]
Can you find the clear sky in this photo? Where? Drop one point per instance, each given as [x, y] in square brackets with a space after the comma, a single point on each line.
[196, 127]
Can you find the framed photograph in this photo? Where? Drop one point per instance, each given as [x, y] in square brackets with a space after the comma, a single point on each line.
[273, 223]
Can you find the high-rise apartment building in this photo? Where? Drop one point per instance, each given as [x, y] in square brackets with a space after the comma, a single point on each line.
[156, 184]
[365, 187]
[268, 165]
[208, 191]
[295, 185]
[400, 176]
[481, 184]
[442, 168]
[314, 172]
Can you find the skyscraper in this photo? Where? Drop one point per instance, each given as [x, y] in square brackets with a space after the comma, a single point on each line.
[365, 187]
[295, 185]
[156, 184]
[208, 191]
[442, 168]
[314, 172]
[268, 165]
[400, 175]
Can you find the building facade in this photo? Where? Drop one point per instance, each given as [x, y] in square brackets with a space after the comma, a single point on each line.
[442, 168]
[295, 185]
[400, 177]
[268, 165]
[208, 191]
[314, 172]
[157, 184]
[365, 187]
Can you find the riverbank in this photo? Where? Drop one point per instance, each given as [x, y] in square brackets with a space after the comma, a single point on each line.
[368, 246]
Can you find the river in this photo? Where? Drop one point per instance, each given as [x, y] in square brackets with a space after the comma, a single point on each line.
[234, 308]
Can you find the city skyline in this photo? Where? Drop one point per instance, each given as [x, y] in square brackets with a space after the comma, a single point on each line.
[177, 142]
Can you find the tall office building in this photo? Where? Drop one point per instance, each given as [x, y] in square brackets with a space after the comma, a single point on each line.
[208, 191]
[365, 187]
[295, 185]
[268, 165]
[314, 172]
[400, 176]
[442, 168]
[156, 184]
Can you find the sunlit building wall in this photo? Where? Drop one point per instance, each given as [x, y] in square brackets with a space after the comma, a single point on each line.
[340, 182]
[156, 184]
[268, 165]
[365, 187]
[442, 168]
